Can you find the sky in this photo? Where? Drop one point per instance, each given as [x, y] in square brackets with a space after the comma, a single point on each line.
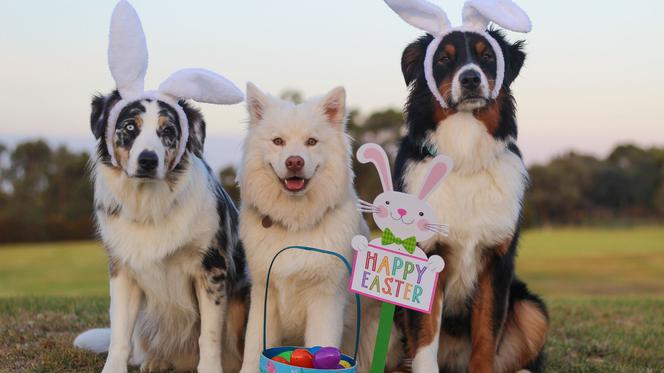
[592, 78]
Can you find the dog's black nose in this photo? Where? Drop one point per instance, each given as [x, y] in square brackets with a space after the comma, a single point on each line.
[294, 163]
[470, 79]
[148, 160]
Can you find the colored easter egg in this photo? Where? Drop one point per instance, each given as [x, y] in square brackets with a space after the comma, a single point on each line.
[286, 355]
[302, 358]
[280, 359]
[344, 364]
[327, 358]
[314, 349]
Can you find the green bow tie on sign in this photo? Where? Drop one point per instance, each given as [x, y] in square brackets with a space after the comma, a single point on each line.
[388, 238]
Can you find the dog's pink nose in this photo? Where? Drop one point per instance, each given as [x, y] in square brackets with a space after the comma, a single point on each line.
[402, 212]
[294, 163]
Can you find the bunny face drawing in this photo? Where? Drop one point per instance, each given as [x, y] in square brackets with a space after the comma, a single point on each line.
[405, 219]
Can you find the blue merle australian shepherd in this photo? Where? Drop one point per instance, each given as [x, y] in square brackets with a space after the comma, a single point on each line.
[484, 318]
[178, 281]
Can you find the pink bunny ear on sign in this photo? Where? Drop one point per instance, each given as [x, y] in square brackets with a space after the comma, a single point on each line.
[478, 13]
[373, 153]
[421, 14]
[127, 50]
[203, 86]
[440, 167]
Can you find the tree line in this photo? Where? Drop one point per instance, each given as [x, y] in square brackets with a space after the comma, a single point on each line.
[46, 194]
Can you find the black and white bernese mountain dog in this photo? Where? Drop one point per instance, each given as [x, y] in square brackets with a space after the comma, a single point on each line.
[485, 319]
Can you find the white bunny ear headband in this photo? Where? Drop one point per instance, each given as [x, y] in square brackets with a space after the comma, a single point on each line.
[128, 62]
[476, 15]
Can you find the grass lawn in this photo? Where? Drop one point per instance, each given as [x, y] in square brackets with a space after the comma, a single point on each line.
[605, 290]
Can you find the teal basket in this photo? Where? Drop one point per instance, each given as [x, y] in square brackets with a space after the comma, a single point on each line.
[267, 365]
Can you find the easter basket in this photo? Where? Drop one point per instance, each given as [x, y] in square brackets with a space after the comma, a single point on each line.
[267, 365]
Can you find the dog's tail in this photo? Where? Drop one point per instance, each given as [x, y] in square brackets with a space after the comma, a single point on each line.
[95, 340]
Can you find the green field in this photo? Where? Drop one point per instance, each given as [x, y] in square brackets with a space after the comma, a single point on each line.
[605, 290]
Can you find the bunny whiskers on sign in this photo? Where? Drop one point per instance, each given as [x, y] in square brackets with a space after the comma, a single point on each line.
[392, 268]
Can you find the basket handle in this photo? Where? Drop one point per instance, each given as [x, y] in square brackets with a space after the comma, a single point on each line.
[267, 287]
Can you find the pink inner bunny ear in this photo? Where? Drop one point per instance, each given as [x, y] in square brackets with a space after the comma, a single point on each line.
[440, 167]
[375, 154]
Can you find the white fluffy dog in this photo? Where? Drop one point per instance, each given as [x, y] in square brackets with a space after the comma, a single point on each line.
[296, 185]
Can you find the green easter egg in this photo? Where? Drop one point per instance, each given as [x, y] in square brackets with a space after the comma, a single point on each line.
[286, 355]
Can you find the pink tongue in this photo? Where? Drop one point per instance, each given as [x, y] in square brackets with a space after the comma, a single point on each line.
[294, 184]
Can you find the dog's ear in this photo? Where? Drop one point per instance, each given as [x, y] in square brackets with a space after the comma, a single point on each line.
[196, 139]
[257, 102]
[101, 105]
[513, 54]
[97, 122]
[514, 59]
[334, 107]
[412, 59]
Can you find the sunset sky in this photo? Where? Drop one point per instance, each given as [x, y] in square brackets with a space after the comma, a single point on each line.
[592, 78]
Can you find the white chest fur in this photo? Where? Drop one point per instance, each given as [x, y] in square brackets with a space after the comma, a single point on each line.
[298, 275]
[480, 200]
[155, 221]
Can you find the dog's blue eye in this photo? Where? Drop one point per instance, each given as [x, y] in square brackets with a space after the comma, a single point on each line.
[130, 127]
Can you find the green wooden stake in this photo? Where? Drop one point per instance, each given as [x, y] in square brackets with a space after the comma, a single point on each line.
[382, 338]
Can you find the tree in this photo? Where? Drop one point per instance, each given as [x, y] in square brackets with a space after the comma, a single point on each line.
[227, 177]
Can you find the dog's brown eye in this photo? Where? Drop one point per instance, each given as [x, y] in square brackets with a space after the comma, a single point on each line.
[387, 202]
[311, 141]
[421, 213]
[444, 59]
[168, 132]
[278, 141]
[487, 56]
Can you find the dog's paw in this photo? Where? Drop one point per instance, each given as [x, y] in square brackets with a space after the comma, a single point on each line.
[209, 366]
[114, 366]
[424, 362]
[154, 365]
[359, 243]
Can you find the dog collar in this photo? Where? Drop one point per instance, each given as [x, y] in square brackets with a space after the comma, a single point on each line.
[476, 15]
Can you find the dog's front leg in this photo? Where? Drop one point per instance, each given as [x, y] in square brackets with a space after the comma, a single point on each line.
[253, 340]
[426, 342]
[211, 305]
[483, 338]
[125, 302]
[325, 314]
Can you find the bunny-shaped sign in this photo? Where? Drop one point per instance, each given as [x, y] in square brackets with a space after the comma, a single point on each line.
[128, 62]
[392, 268]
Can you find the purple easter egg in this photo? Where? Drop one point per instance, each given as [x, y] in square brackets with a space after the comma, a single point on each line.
[327, 358]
